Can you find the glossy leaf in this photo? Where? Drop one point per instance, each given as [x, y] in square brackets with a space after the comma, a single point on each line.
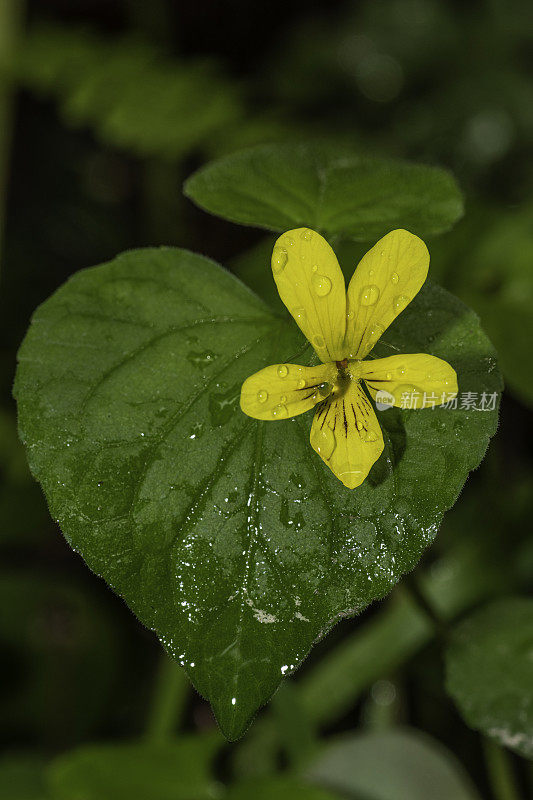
[229, 536]
[399, 764]
[490, 672]
[329, 188]
[177, 770]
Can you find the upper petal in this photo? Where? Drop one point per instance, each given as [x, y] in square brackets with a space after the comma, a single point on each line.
[384, 282]
[285, 390]
[347, 436]
[426, 380]
[311, 284]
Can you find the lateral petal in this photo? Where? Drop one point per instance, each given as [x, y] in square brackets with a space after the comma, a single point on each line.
[285, 390]
[311, 284]
[384, 282]
[412, 381]
[347, 436]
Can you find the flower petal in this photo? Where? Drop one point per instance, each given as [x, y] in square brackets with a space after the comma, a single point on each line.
[346, 435]
[413, 381]
[285, 390]
[384, 282]
[311, 284]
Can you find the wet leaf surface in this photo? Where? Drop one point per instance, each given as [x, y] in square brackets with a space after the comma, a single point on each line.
[227, 536]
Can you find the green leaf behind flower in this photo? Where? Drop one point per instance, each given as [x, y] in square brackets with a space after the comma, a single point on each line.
[327, 187]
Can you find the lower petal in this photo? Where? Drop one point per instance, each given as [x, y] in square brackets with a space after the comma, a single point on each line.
[410, 381]
[346, 435]
[285, 390]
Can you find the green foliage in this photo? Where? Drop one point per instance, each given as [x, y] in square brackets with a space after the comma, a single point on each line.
[225, 535]
[278, 788]
[134, 97]
[175, 770]
[398, 764]
[327, 187]
[22, 778]
[489, 673]
[488, 261]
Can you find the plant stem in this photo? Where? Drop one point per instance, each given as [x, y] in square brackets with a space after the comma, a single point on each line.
[500, 771]
[168, 699]
[11, 15]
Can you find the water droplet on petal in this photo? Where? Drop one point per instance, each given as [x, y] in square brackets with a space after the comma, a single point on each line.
[375, 332]
[429, 376]
[279, 259]
[321, 284]
[400, 302]
[388, 376]
[370, 273]
[324, 441]
[262, 396]
[299, 314]
[283, 398]
[288, 240]
[283, 370]
[319, 341]
[301, 383]
[394, 277]
[280, 411]
[371, 436]
[369, 295]
[324, 389]
[401, 370]
[306, 234]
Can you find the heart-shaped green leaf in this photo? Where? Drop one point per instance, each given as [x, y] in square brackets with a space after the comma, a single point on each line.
[489, 665]
[228, 536]
[327, 187]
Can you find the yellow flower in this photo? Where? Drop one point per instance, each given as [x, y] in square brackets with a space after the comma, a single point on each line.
[343, 327]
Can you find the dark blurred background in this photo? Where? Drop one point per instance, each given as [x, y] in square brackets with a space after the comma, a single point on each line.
[106, 106]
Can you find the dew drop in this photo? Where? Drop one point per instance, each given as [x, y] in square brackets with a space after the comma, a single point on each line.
[324, 442]
[301, 383]
[324, 389]
[401, 370]
[369, 295]
[371, 437]
[279, 259]
[306, 234]
[319, 340]
[321, 284]
[375, 332]
[299, 314]
[388, 376]
[283, 398]
[283, 370]
[288, 240]
[394, 277]
[370, 273]
[262, 396]
[280, 411]
[400, 302]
